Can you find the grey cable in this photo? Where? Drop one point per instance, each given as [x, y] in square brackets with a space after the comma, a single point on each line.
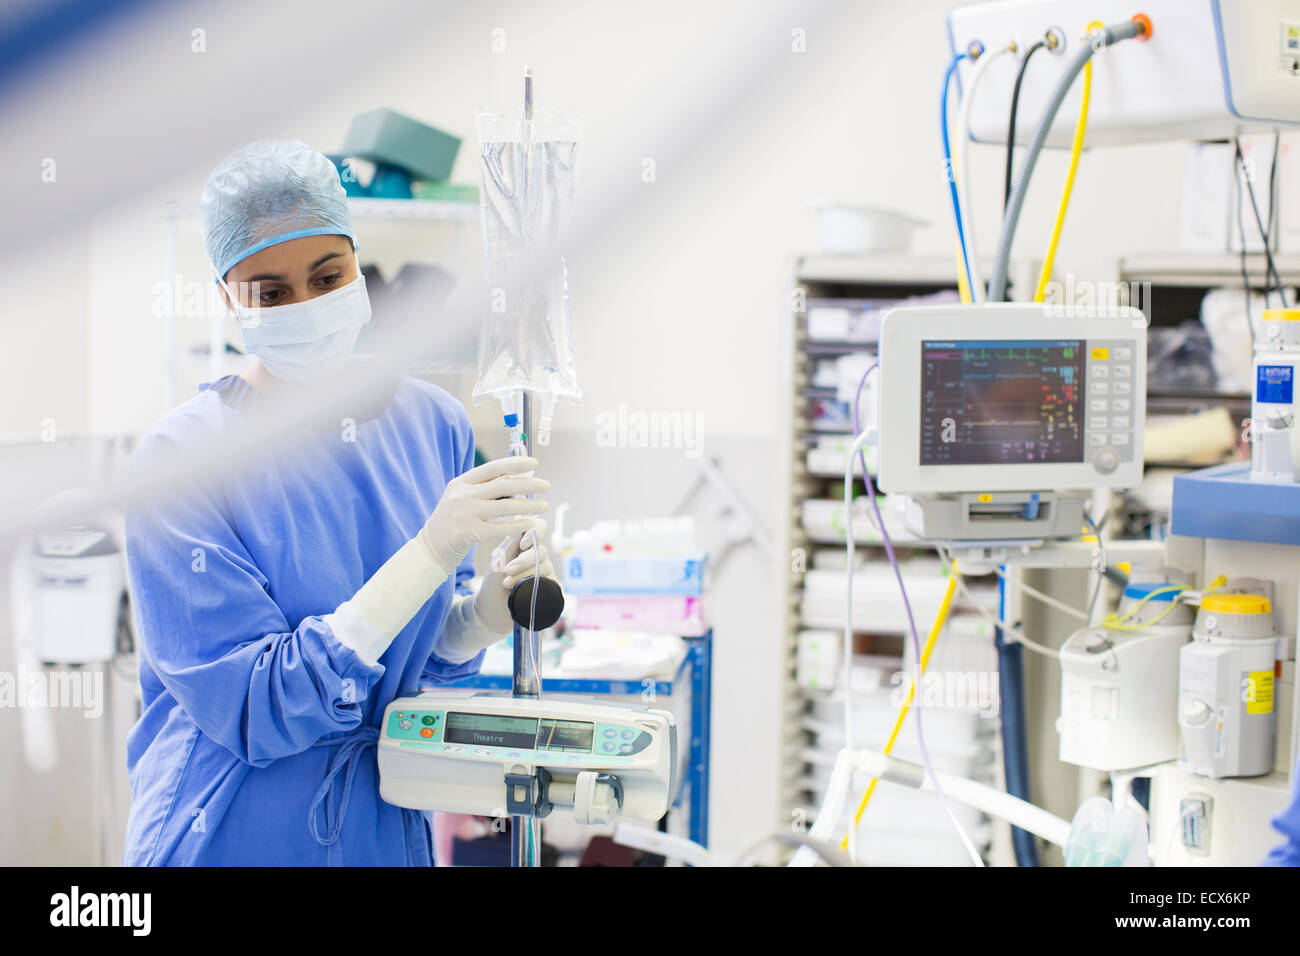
[1110, 35]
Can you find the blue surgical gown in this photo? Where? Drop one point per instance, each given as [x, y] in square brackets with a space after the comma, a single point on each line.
[1288, 822]
[256, 745]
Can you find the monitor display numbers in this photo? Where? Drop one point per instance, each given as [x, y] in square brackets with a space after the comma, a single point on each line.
[490, 730]
[522, 733]
[570, 736]
[989, 402]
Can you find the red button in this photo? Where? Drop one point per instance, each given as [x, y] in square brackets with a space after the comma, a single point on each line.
[426, 732]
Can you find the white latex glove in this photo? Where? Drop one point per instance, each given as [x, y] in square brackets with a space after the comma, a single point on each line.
[372, 617]
[474, 623]
[520, 559]
[466, 512]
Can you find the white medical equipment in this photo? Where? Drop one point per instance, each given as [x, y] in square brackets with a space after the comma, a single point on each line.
[1210, 69]
[1199, 821]
[1274, 437]
[1119, 688]
[73, 647]
[66, 590]
[493, 755]
[1226, 705]
[1001, 416]
[79, 583]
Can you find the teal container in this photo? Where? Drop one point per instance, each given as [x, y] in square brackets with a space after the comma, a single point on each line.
[347, 176]
[390, 182]
[386, 137]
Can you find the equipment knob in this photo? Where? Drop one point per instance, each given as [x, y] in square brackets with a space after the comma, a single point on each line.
[550, 603]
[1195, 713]
[1105, 461]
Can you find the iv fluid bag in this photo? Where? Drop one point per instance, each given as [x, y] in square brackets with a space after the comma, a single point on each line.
[526, 343]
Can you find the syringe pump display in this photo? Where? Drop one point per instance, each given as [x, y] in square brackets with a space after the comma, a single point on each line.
[488, 754]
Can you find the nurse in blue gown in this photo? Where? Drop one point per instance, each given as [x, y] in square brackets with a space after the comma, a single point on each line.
[281, 606]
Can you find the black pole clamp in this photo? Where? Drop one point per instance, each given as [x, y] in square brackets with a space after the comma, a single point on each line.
[526, 794]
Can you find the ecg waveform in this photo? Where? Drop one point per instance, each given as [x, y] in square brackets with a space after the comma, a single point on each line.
[984, 403]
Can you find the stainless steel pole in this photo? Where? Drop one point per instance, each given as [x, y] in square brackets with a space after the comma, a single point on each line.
[525, 831]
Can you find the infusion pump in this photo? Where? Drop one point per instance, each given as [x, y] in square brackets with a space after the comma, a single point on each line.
[492, 754]
[1001, 415]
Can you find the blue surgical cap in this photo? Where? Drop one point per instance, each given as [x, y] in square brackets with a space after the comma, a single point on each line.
[268, 193]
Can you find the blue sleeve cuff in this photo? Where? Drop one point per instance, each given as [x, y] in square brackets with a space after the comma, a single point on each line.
[356, 676]
[437, 671]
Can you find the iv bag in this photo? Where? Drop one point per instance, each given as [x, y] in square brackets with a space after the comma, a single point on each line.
[526, 342]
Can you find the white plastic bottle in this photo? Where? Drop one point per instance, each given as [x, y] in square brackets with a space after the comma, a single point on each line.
[1275, 440]
[1226, 708]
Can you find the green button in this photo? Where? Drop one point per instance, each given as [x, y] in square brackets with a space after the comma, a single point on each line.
[428, 719]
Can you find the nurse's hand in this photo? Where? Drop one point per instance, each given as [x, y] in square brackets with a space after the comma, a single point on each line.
[521, 558]
[524, 557]
[483, 506]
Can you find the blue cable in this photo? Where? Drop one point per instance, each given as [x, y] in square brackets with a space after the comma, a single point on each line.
[1015, 746]
[947, 156]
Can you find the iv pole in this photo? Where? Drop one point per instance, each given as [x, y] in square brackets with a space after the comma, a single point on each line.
[535, 604]
[525, 831]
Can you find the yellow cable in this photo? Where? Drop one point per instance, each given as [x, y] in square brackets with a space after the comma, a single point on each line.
[962, 288]
[1075, 149]
[1113, 622]
[939, 621]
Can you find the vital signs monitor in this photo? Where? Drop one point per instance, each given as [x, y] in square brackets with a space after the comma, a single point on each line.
[1010, 397]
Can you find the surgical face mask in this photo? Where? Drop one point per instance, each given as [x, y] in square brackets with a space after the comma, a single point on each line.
[306, 341]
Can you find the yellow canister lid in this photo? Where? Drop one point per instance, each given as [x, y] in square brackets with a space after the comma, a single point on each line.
[1281, 315]
[1237, 603]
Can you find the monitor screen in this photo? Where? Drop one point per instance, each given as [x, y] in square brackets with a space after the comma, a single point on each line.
[574, 736]
[491, 730]
[989, 402]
